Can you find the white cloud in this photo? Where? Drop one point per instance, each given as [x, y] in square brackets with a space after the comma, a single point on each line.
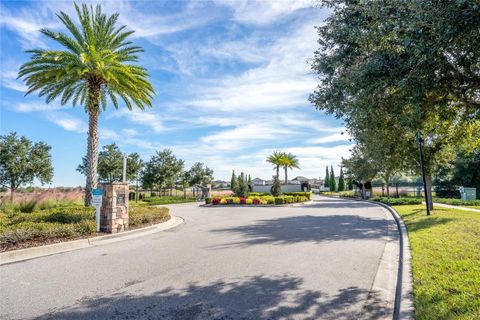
[37, 107]
[67, 122]
[264, 11]
[336, 137]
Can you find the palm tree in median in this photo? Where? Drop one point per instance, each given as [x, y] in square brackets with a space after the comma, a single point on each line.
[276, 158]
[289, 161]
[95, 65]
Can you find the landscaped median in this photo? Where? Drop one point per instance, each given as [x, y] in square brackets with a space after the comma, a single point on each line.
[22, 230]
[255, 198]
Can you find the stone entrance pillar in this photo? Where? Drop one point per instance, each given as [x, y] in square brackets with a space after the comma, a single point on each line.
[114, 212]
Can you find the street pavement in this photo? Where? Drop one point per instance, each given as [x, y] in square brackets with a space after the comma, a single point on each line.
[312, 261]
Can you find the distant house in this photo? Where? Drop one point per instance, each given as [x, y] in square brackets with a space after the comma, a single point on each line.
[220, 184]
[258, 182]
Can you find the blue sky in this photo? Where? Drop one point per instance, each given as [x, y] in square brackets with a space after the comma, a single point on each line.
[231, 78]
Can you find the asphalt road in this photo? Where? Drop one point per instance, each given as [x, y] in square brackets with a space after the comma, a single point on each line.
[314, 261]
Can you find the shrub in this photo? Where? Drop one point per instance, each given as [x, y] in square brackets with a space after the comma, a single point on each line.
[208, 200]
[397, 201]
[457, 202]
[279, 200]
[256, 201]
[257, 194]
[248, 201]
[216, 201]
[243, 201]
[276, 188]
[142, 214]
[305, 194]
[223, 201]
[443, 192]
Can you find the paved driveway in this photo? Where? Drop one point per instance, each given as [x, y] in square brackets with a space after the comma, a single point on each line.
[313, 261]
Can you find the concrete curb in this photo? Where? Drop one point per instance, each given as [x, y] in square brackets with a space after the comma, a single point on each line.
[403, 291]
[51, 249]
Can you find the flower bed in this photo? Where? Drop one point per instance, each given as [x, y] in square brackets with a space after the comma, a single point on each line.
[261, 199]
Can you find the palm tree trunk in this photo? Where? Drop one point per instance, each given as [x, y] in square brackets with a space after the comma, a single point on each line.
[278, 171]
[286, 175]
[92, 154]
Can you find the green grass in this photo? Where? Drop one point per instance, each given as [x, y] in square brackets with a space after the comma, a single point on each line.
[445, 260]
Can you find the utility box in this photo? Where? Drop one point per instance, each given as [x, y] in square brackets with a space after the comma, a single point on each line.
[114, 213]
[468, 193]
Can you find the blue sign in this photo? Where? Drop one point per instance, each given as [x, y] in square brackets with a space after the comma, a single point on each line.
[97, 192]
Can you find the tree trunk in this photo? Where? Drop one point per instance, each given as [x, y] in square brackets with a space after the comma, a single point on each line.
[92, 154]
[286, 175]
[428, 180]
[12, 192]
[278, 172]
[387, 182]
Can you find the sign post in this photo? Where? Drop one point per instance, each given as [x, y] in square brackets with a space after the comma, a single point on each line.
[97, 203]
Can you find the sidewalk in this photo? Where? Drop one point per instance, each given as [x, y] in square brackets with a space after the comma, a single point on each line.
[454, 207]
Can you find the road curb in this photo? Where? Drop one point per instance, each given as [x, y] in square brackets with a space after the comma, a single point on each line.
[15, 256]
[403, 307]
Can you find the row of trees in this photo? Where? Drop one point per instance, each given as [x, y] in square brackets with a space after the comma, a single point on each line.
[283, 160]
[163, 170]
[400, 74]
[330, 181]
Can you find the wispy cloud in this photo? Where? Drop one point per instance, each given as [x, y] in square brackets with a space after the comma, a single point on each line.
[336, 137]
[67, 122]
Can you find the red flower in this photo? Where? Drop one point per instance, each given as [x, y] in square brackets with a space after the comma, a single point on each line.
[243, 201]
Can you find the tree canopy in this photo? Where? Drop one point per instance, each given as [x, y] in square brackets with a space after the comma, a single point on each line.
[22, 161]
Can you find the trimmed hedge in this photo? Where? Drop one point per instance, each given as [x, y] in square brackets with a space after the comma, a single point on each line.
[397, 201]
[293, 197]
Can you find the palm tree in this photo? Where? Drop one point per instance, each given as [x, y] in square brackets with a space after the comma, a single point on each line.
[95, 65]
[289, 161]
[276, 159]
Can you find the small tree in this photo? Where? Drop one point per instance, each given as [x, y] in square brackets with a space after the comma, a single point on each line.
[21, 161]
[333, 183]
[200, 174]
[276, 188]
[233, 181]
[326, 183]
[241, 189]
[341, 181]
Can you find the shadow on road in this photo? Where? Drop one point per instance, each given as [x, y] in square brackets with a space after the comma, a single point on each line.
[307, 229]
[253, 298]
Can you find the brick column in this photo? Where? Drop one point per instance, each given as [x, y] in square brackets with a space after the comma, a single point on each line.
[114, 212]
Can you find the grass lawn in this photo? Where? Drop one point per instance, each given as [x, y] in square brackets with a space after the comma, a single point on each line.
[445, 260]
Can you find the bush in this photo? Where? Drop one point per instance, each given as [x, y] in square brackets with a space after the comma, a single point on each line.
[304, 194]
[257, 194]
[279, 200]
[248, 201]
[142, 214]
[443, 192]
[243, 201]
[208, 200]
[167, 200]
[397, 201]
[216, 201]
[256, 201]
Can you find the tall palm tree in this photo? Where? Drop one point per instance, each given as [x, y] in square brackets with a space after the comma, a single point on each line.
[276, 159]
[95, 65]
[289, 161]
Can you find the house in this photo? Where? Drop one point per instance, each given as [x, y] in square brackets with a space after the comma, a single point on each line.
[220, 184]
[258, 182]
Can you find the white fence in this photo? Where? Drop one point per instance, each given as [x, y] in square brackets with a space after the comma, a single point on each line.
[284, 188]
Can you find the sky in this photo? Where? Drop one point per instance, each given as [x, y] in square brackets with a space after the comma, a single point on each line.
[232, 81]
